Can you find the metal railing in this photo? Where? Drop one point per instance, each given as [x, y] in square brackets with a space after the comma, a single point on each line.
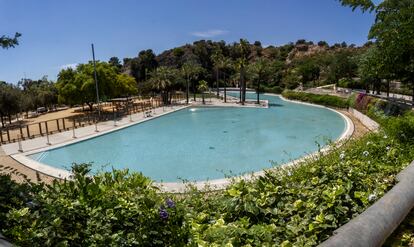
[19, 132]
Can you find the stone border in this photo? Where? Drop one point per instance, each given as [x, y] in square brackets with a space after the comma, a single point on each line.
[177, 187]
[365, 120]
[373, 226]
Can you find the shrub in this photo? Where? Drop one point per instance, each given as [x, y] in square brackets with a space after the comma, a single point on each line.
[275, 90]
[14, 196]
[326, 100]
[110, 209]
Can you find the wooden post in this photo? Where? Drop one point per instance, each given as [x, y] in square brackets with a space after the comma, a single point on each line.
[1, 137]
[28, 131]
[63, 123]
[73, 129]
[8, 135]
[47, 129]
[57, 123]
[40, 129]
[21, 132]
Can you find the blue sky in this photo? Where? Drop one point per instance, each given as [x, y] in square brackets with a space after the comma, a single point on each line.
[56, 34]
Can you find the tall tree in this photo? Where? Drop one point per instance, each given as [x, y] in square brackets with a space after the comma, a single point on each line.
[190, 71]
[393, 31]
[259, 70]
[10, 99]
[78, 86]
[162, 80]
[114, 61]
[223, 65]
[242, 62]
[369, 68]
[203, 87]
[217, 57]
[142, 66]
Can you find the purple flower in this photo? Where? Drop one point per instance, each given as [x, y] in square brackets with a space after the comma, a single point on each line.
[163, 214]
[170, 203]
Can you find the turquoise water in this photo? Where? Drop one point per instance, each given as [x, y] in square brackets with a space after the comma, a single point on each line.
[206, 143]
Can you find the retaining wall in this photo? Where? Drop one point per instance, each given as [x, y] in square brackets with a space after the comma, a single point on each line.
[365, 120]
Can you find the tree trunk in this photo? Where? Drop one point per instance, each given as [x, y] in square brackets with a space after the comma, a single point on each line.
[413, 94]
[240, 90]
[258, 92]
[204, 102]
[2, 120]
[217, 82]
[225, 89]
[242, 87]
[194, 92]
[388, 88]
[188, 88]
[90, 106]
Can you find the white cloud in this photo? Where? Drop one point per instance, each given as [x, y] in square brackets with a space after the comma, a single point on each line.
[70, 65]
[209, 33]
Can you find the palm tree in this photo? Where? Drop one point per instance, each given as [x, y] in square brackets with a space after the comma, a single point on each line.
[190, 71]
[259, 70]
[217, 57]
[242, 63]
[202, 86]
[162, 79]
[223, 64]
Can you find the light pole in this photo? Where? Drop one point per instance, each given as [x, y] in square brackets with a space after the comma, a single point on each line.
[96, 81]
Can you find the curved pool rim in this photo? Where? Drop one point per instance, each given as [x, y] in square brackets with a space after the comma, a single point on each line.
[179, 187]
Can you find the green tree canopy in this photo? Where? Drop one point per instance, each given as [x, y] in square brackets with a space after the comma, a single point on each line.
[7, 42]
[393, 32]
[78, 86]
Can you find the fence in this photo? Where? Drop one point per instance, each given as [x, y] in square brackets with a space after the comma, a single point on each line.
[14, 133]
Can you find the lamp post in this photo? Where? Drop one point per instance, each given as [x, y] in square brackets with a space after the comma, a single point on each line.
[96, 81]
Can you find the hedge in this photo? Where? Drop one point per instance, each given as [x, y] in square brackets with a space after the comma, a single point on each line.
[326, 100]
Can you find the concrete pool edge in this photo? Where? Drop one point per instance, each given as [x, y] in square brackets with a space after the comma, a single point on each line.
[175, 187]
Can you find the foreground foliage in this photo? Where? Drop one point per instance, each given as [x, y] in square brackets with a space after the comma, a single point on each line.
[110, 209]
[295, 206]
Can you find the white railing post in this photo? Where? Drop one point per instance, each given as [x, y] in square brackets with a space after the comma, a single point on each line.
[20, 144]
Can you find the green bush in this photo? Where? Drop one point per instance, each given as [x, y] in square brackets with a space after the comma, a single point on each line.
[110, 209]
[326, 100]
[275, 90]
[14, 195]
